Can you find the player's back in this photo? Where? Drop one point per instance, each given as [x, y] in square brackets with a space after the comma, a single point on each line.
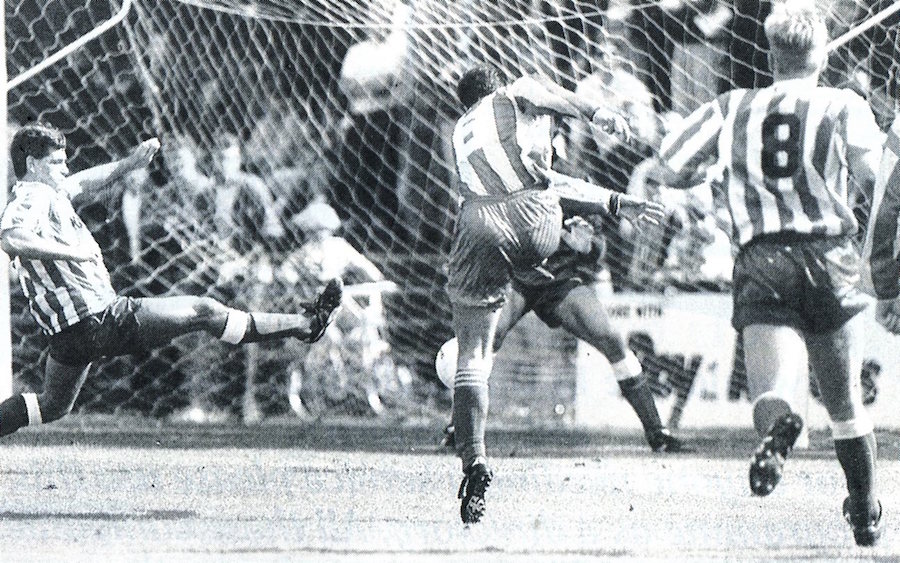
[492, 143]
[785, 152]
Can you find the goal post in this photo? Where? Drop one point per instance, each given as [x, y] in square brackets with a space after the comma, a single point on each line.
[6, 351]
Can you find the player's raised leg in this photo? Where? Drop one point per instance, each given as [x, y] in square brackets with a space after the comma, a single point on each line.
[163, 318]
[581, 314]
[774, 356]
[474, 327]
[836, 358]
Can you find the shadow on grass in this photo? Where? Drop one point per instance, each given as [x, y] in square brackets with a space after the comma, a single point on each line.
[398, 436]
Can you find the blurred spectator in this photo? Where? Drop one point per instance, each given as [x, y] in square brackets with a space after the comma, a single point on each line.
[747, 46]
[355, 370]
[866, 63]
[586, 151]
[372, 77]
[245, 210]
[698, 53]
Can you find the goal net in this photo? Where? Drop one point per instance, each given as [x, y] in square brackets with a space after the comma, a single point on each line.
[283, 120]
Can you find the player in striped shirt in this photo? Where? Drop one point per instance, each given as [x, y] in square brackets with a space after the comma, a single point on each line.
[68, 287]
[511, 218]
[788, 152]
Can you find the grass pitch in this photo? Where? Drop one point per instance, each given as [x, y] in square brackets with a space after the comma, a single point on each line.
[380, 491]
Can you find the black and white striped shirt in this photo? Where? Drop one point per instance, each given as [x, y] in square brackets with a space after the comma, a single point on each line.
[495, 140]
[60, 292]
[784, 150]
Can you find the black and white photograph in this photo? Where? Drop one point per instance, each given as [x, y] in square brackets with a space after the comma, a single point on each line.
[442, 281]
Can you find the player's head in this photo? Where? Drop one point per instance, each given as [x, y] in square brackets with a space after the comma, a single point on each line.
[797, 38]
[39, 151]
[477, 83]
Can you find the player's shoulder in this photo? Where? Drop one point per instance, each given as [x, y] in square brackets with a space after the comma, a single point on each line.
[25, 193]
[841, 97]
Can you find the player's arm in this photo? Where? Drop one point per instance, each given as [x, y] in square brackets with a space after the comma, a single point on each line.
[579, 196]
[688, 147]
[880, 252]
[865, 142]
[102, 182]
[540, 95]
[27, 244]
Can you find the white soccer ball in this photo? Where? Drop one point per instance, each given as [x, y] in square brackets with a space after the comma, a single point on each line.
[445, 362]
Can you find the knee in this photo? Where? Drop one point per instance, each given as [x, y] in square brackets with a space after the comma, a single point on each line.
[206, 308]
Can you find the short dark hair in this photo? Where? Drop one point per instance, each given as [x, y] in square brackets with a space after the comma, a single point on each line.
[477, 83]
[36, 140]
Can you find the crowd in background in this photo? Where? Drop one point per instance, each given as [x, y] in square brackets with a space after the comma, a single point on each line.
[357, 179]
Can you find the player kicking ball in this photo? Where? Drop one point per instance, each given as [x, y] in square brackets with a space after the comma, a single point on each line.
[510, 220]
[561, 293]
[788, 151]
[68, 287]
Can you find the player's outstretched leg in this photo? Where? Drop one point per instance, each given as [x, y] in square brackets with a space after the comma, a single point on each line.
[636, 391]
[582, 315]
[767, 463]
[324, 308]
[310, 326]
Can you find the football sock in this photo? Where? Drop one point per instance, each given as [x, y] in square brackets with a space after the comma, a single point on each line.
[13, 414]
[857, 457]
[243, 328]
[637, 392]
[470, 408]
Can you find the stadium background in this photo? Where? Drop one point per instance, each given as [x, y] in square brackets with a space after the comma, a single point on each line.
[351, 104]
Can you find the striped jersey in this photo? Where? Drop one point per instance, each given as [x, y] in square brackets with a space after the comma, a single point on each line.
[60, 292]
[495, 142]
[784, 150]
[882, 243]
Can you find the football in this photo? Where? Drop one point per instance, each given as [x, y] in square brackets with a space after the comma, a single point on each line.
[445, 362]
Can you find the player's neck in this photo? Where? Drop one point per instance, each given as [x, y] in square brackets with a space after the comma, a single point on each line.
[806, 73]
[812, 77]
[38, 178]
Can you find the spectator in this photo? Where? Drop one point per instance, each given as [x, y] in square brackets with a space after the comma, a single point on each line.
[353, 377]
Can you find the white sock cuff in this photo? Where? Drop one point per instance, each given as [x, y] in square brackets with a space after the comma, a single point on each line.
[627, 367]
[471, 378]
[33, 408]
[235, 326]
[854, 428]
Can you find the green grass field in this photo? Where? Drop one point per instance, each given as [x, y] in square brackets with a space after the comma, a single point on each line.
[380, 491]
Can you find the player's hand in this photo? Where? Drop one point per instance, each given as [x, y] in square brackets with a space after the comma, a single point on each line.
[612, 123]
[578, 234]
[638, 210]
[144, 152]
[887, 313]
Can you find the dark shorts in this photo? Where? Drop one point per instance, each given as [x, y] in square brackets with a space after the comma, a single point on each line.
[545, 288]
[495, 236]
[112, 332]
[799, 281]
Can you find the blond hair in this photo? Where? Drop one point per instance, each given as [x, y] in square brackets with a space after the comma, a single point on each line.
[797, 35]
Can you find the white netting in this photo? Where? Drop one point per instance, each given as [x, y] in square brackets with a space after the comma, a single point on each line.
[265, 107]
